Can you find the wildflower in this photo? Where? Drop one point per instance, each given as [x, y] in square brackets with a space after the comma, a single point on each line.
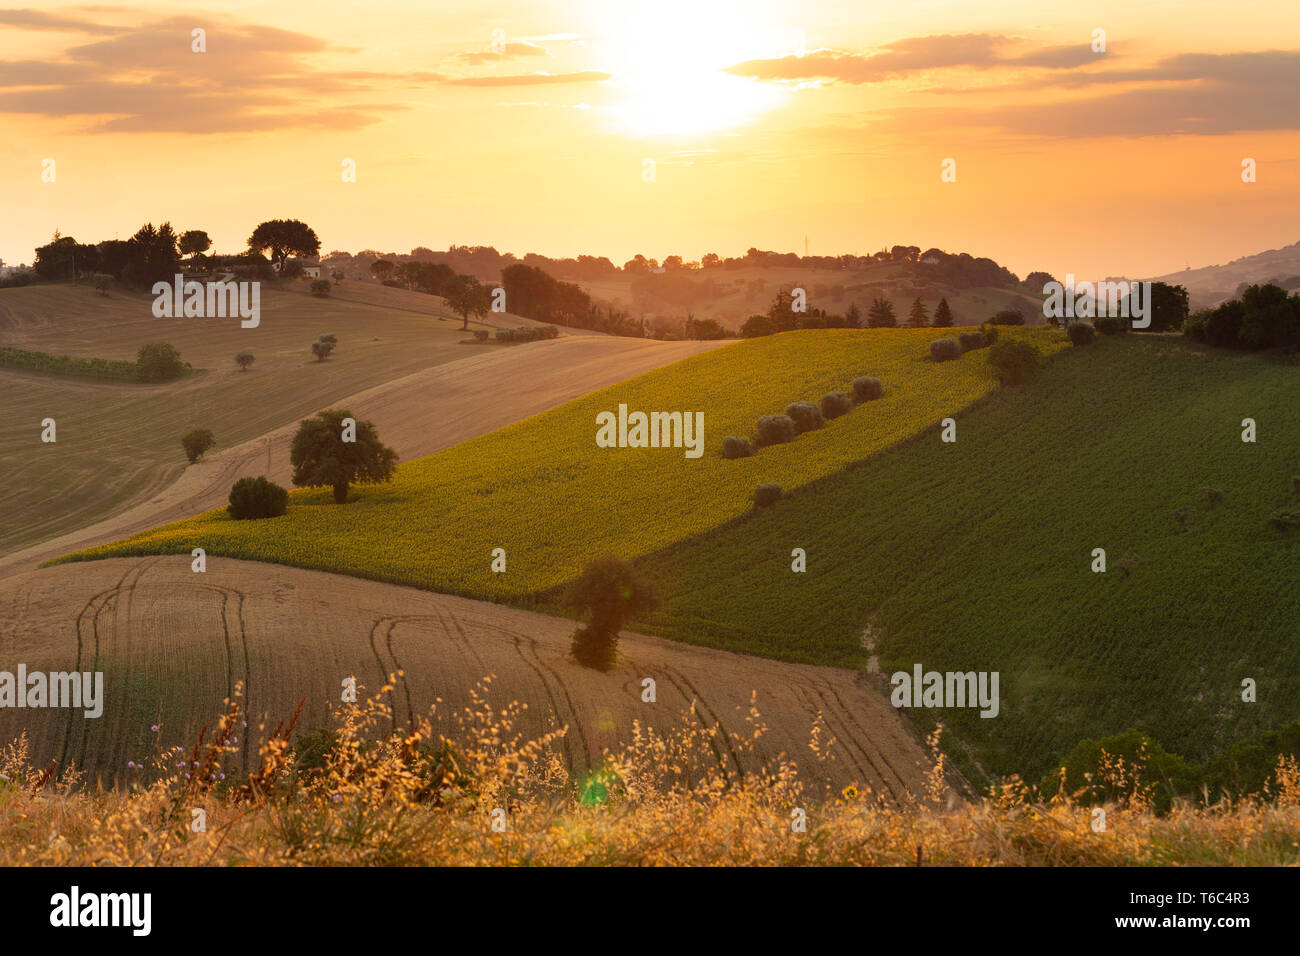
[850, 792]
[154, 728]
[130, 764]
[337, 798]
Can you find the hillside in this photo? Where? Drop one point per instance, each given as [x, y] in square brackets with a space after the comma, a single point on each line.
[545, 493]
[976, 556]
[173, 644]
[732, 295]
[118, 445]
[1210, 285]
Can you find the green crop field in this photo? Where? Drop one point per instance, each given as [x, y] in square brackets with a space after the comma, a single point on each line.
[977, 556]
[543, 491]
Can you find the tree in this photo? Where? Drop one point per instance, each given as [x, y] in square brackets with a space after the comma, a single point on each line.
[159, 362]
[881, 315]
[757, 325]
[244, 359]
[381, 269]
[320, 287]
[196, 442]
[193, 242]
[853, 317]
[1168, 307]
[781, 312]
[338, 276]
[919, 318]
[943, 315]
[321, 349]
[465, 295]
[321, 456]
[1037, 280]
[103, 282]
[609, 591]
[409, 273]
[283, 238]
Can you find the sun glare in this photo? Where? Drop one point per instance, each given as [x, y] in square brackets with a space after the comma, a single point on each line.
[668, 60]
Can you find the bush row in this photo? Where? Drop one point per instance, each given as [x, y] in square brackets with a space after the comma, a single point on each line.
[802, 417]
[158, 362]
[525, 333]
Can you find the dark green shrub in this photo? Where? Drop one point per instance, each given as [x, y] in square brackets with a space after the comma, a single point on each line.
[320, 287]
[766, 495]
[481, 335]
[733, 447]
[1013, 362]
[257, 498]
[196, 442]
[321, 349]
[505, 335]
[159, 362]
[866, 389]
[970, 341]
[1080, 333]
[1155, 773]
[805, 415]
[990, 333]
[836, 404]
[103, 282]
[1012, 316]
[945, 350]
[1110, 325]
[244, 359]
[776, 430]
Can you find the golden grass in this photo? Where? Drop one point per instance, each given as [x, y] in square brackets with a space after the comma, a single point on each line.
[417, 798]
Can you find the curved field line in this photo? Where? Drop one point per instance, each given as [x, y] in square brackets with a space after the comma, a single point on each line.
[850, 718]
[708, 711]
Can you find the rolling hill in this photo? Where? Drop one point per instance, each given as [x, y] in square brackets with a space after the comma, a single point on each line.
[173, 644]
[545, 493]
[977, 555]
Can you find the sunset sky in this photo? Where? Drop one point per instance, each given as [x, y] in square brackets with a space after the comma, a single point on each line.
[767, 122]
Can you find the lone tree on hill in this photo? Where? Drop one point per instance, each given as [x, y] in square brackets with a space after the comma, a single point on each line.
[466, 296]
[881, 315]
[943, 315]
[196, 442]
[335, 449]
[919, 318]
[244, 359]
[322, 347]
[609, 590]
[284, 238]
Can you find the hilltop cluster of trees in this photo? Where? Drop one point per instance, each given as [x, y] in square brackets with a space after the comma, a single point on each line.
[154, 254]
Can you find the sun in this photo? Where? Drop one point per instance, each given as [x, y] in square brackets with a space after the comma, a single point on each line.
[668, 61]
